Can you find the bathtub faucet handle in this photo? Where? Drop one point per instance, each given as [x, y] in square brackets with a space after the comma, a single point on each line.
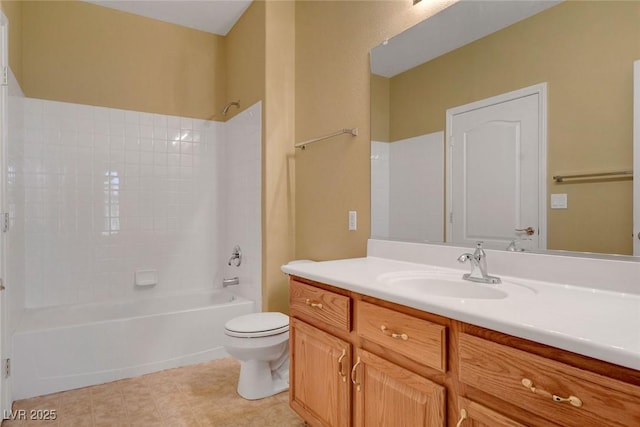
[236, 256]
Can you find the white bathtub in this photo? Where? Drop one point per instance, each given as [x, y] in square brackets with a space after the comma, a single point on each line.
[66, 347]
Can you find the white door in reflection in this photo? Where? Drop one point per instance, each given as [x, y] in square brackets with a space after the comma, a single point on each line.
[636, 158]
[496, 171]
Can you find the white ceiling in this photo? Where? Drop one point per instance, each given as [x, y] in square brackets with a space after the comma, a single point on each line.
[454, 27]
[212, 16]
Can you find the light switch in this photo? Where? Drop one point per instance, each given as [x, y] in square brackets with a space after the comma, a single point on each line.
[353, 220]
[559, 201]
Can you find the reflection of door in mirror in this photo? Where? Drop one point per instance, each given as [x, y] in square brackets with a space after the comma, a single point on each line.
[636, 158]
[496, 171]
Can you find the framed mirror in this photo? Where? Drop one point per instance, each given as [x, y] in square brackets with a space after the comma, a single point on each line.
[583, 52]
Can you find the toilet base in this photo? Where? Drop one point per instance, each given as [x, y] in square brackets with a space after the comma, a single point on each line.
[258, 381]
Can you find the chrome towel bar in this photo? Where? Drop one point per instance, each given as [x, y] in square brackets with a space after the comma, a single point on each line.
[302, 145]
[620, 174]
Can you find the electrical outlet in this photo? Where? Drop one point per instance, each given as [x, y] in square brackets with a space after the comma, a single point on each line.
[353, 220]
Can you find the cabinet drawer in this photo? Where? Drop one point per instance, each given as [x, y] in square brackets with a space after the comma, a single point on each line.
[318, 304]
[418, 339]
[540, 385]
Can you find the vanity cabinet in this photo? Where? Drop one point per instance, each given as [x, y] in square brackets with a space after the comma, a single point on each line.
[320, 350]
[319, 390]
[329, 387]
[564, 394]
[389, 395]
[364, 362]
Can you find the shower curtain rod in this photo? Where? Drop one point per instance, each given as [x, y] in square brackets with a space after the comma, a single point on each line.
[302, 145]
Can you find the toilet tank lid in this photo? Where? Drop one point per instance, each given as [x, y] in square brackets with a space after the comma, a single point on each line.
[258, 322]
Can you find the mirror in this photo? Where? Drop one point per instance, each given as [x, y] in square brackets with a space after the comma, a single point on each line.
[473, 50]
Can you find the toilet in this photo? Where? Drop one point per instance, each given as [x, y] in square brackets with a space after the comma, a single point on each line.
[260, 341]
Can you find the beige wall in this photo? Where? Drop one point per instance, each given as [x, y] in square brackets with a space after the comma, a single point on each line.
[585, 51]
[380, 104]
[13, 12]
[333, 40]
[278, 154]
[246, 59]
[79, 52]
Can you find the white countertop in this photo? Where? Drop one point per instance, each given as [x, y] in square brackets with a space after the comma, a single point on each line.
[602, 324]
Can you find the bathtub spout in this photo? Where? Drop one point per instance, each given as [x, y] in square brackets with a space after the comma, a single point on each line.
[230, 282]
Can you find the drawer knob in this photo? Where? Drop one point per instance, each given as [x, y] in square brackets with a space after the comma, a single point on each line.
[313, 304]
[403, 337]
[573, 400]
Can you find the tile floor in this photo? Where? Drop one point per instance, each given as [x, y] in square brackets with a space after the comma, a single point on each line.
[193, 396]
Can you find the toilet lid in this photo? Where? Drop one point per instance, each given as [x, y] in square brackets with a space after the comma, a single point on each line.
[257, 325]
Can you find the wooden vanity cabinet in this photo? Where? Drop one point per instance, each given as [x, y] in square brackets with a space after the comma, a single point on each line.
[563, 394]
[319, 387]
[330, 387]
[362, 362]
[320, 355]
[389, 395]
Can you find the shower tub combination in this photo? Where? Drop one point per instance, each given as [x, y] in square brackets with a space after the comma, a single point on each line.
[66, 347]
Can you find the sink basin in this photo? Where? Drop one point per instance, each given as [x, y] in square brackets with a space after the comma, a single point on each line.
[445, 284]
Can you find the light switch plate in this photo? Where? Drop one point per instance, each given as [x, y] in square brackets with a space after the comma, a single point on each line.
[559, 201]
[353, 221]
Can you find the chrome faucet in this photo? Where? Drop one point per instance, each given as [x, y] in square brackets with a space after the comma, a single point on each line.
[236, 256]
[513, 247]
[478, 262]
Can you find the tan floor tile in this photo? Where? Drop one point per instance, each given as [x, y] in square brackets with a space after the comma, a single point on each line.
[75, 421]
[193, 396]
[76, 395]
[111, 423]
[75, 409]
[108, 411]
[40, 423]
[181, 422]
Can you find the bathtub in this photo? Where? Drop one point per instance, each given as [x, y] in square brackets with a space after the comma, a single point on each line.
[66, 347]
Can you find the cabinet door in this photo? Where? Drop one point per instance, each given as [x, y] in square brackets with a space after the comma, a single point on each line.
[319, 390]
[473, 414]
[388, 395]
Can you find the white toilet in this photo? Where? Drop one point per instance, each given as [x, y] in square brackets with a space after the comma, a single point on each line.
[260, 341]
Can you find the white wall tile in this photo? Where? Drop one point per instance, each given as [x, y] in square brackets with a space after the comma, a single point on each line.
[106, 192]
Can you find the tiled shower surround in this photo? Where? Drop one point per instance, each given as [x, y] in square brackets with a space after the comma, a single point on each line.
[107, 192]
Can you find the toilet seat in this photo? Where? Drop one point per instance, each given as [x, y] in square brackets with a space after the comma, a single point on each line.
[257, 325]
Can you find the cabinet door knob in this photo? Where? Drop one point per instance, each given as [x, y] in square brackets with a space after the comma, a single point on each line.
[573, 400]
